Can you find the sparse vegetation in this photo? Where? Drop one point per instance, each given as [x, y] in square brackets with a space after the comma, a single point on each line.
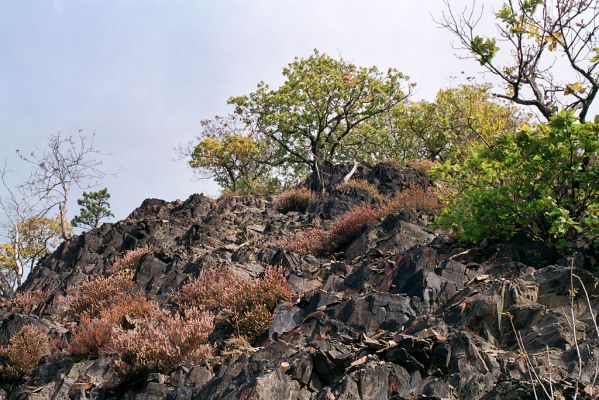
[294, 200]
[245, 306]
[22, 354]
[361, 185]
[162, 342]
[92, 297]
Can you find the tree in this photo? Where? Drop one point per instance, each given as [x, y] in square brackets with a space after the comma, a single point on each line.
[540, 38]
[315, 115]
[234, 159]
[28, 235]
[67, 162]
[534, 180]
[94, 207]
[456, 119]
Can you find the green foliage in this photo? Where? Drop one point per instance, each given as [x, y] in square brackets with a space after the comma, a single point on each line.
[444, 128]
[94, 207]
[28, 241]
[315, 116]
[236, 161]
[485, 49]
[544, 182]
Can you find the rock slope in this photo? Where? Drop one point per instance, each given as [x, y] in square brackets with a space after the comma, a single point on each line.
[401, 312]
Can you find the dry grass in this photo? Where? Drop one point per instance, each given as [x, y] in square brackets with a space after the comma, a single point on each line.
[417, 199]
[294, 200]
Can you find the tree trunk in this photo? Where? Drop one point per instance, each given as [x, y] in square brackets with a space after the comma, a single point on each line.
[17, 257]
[351, 173]
[317, 183]
[65, 225]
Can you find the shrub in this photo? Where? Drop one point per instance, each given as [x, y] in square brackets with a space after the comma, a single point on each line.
[130, 259]
[422, 166]
[163, 342]
[351, 224]
[309, 241]
[24, 351]
[294, 200]
[94, 335]
[361, 185]
[542, 182]
[345, 228]
[90, 337]
[27, 302]
[416, 198]
[92, 297]
[244, 305]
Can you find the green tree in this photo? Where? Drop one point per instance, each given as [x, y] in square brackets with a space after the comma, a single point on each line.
[457, 119]
[550, 53]
[315, 116]
[26, 243]
[236, 161]
[94, 207]
[543, 181]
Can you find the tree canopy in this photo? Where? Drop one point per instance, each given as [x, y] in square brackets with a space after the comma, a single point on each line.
[546, 53]
[315, 115]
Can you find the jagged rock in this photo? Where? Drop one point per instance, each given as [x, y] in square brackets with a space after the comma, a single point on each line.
[401, 312]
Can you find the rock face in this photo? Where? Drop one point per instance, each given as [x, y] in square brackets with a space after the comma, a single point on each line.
[401, 312]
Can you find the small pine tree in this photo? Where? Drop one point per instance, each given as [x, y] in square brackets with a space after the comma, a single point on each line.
[94, 207]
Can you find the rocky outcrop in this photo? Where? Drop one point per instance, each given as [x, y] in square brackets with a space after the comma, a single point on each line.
[401, 312]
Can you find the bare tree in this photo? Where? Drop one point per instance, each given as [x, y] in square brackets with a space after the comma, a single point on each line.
[551, 51]
[68, 161]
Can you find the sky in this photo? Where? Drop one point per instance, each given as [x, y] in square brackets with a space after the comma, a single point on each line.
[142, 74]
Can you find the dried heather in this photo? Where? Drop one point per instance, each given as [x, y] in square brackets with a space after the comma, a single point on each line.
[243, 304]
[27, 302]
[351, 224]
[129, 260]
[90, 337]
[309, 241]
[163, 342]
[92, 297]
[24, 351]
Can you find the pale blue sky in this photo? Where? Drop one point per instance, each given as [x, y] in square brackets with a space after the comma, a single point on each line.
[142, 74]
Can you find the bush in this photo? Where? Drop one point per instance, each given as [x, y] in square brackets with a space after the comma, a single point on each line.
[309, 241]
[24, 351]
[543, 182]
[129, 260]
[351, 224]
[163, 342]
[361, 185]
[320, 242]
[27, 302]
[294, 200]
[416, 198]
[90, 337]
[92, 297]
[244, 305]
